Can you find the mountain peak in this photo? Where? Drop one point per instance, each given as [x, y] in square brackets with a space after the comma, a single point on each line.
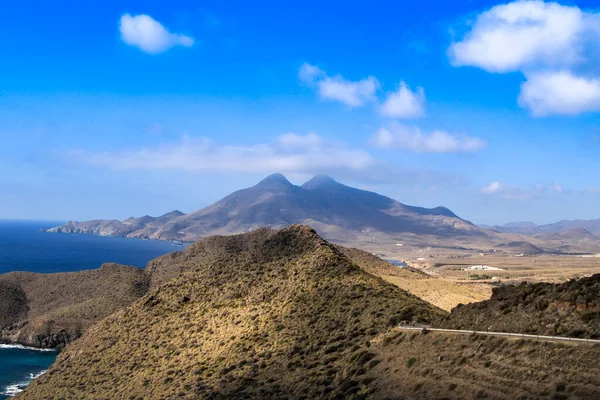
[274, 180]
[319, 180]
[173, 214]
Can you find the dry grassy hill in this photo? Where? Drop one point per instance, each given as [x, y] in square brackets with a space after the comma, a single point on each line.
[49, 310]
[273, 314]
[567, 309]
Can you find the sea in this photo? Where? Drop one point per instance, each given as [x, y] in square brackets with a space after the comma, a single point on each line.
[25, 247]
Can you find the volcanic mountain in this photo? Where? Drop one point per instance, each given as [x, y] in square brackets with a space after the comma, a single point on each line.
[333, 209]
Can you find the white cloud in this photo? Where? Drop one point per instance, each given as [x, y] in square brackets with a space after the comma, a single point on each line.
[594, 189]
[557, 187]
[548, 42]
[411, 138]
[521, 34]
[507, 191]
[514, 192]
[493, 187]
[149, 35]
[559, 93]
[353, 94]
[404, 103]
[288, 153]
[336, 88]
[309, 73]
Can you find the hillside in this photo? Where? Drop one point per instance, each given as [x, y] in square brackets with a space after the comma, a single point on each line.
[275, 202]
[568, 309]
[46, 310]
[277, 314]
[49, 310]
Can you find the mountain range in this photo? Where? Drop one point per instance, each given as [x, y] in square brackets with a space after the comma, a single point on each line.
[530, 228]
[339, 213]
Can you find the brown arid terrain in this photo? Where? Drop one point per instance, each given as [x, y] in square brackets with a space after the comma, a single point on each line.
[285, 314]
[274, 315]
[507, 269]
[50, 310]
[569, 309]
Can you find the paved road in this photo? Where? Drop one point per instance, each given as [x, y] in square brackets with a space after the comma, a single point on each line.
[504, 334]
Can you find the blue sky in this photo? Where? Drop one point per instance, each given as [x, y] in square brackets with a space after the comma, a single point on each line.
[113, 109]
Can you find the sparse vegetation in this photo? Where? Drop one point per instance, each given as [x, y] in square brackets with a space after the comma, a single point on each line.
[477, 277]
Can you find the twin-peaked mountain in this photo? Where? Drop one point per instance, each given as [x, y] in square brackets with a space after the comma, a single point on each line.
[333, 209]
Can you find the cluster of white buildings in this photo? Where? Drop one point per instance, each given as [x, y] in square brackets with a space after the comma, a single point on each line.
[481, 268]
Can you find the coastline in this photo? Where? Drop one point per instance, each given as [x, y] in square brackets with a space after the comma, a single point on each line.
[174, 242]
[19, 346]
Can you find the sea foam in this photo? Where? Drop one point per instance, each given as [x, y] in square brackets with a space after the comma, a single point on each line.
[21, 347]
[15, 388]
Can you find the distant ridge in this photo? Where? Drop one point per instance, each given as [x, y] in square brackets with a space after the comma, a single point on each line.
[530, 228]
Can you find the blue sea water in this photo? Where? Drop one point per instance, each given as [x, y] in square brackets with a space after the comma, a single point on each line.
[18, 366]
[24, 247]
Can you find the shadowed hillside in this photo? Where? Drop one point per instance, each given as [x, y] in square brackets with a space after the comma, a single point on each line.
[567, 309]
[49, 310]
[275, 314]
